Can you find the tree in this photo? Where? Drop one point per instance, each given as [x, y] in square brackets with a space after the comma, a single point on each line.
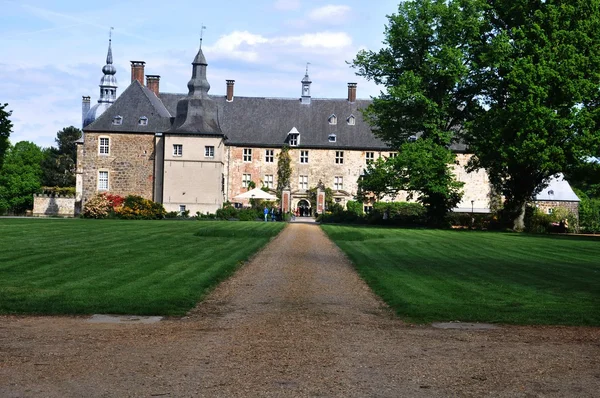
[515, 80]
[59, 163]
[424, 68]
[20, 177]
[5, 130]
[538, 73]
[284, 169]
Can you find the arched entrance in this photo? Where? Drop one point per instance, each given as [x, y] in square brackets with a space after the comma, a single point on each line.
[304, 208]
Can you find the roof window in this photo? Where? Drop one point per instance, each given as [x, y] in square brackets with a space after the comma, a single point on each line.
[351, 120]
[118, 120]
[143, 121]
[332, 119]
[332, 138]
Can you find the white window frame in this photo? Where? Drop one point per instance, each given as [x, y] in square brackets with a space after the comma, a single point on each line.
[117, 120]
[177, 150]
[247, 155]
[304, 157]
[104, 147]
[269, 155]
[269, 181]
[332, 138]
[339, 157]
[393, 154]
[332, 119]
[246, 178]
[369, 157]
[143, 121]
[209, 151]
[338, 183]
[182, 209]
[303, 182]
[103, 183]
[294, 139]
[351, 120]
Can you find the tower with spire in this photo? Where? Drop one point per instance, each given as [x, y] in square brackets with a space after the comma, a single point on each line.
[306, 82]
[108, 88]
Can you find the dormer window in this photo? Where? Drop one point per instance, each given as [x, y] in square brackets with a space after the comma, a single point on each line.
[351, 120]
[293, 138]
[118, 120]
[332, 119]
[332, 138]
[143, 121]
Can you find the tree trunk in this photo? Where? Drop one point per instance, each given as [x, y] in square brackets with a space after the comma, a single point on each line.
[519, 222]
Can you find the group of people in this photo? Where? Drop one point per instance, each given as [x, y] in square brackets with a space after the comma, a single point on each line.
[273, 213]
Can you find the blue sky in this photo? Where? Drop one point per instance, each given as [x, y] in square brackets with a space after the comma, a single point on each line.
[52, 52]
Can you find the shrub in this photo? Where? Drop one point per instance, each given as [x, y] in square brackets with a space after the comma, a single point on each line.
[97, 207]
[249, 214]
[398, 213]
[589, 213]
[227, 212]
[538, 222]
[137, 208]
[355, 207]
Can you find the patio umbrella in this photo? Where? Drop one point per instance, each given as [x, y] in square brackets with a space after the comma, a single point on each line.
[256, 193]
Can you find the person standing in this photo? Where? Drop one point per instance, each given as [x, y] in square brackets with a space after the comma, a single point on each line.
[266, 212]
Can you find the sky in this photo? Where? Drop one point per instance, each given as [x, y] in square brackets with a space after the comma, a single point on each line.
[52, 52]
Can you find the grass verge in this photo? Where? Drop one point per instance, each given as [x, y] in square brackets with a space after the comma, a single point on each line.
[439, 275]
[53, 266]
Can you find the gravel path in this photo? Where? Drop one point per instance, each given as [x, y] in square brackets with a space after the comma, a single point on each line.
[295, 321]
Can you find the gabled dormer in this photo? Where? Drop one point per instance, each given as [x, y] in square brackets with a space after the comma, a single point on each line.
[293, 137]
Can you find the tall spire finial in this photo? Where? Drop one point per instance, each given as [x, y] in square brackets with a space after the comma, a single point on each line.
[308, 63]
[110, 33]
[201, 33]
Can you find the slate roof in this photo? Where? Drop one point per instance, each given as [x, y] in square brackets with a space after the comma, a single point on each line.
[557, 190]
[256, 121]
[136, 101]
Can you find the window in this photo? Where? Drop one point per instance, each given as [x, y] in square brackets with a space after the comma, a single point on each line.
[332, 138]
[339, 157]
[104, 146]
[303, 156]
[181, 209]
[143, 121]
[269, 156]
[393, 154]
[209, 151]
[293, 139]
[103, 180]
[338, 183]
[550, 211]
[177, 150]
[269, 181]
[303, 182]
[246, 178]
[351, 120]
[118, 120]
[370, 156]
[332, 119]
[247, 154]
[367, 209]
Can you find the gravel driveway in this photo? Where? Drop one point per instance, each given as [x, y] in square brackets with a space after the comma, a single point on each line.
[294, 321]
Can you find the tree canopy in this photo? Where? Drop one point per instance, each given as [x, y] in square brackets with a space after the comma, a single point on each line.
[5, 130]
[59, 163]
[518, 81]
[20, 177]
[284, 169]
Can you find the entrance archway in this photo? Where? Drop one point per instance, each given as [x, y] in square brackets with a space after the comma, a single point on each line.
[304, 208]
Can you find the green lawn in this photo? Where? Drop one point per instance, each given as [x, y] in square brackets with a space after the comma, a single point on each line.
[437, 275]
[76, 266]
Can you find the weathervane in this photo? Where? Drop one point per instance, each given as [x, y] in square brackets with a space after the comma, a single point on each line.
[110, 33]
[201, 33]
[308, 63]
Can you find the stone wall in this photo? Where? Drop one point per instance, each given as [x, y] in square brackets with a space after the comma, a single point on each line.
[130, 164]
[48, 206]
[550, 206]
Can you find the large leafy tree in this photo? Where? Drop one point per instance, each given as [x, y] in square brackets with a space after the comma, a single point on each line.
[517, 80]
[60, 162]
[425, 68]
[5, 130]
[20, 177]
[284, 169]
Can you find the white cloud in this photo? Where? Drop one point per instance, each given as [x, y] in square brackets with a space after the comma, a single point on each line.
[334, 14]
[287, 5]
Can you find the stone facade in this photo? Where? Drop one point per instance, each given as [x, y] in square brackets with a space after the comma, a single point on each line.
[549, 207]
[53, 206]
[129, 163]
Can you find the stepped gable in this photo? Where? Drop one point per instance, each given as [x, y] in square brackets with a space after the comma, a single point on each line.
[134, 103]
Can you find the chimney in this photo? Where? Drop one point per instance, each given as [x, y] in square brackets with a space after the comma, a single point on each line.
[137, 71]
[230, 90]
[352, 92]
[85, 107]
[152, 82]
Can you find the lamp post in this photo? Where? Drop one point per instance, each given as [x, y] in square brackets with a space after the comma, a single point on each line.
[472, 215]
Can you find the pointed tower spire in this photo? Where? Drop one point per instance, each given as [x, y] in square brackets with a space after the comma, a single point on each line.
[108, 84]
[197, 112]
[306, 82]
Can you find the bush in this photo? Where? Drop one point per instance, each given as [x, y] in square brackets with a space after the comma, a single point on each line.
[398, 213]
[137, 208]
[538, 222]
[227, 212]
[355, 207]
[97, 207]
[475, 220]
[589, 214]
[249, 214]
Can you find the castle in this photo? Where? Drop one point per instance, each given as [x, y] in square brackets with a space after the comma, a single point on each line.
[196, 151]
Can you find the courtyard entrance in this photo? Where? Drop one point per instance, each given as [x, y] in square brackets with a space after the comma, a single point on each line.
[304, 209]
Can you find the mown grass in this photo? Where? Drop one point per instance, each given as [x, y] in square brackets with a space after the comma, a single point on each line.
[438, 275]
[121, 267]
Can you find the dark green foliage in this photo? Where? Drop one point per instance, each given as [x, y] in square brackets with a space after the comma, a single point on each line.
[399, 213]
[20, 177]
[227, 212]
[284, 169]
[355, 207]
[430, 275]
[586, 178]
[119, 267]
[60, 163]
[5, 130]
[589, 213]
